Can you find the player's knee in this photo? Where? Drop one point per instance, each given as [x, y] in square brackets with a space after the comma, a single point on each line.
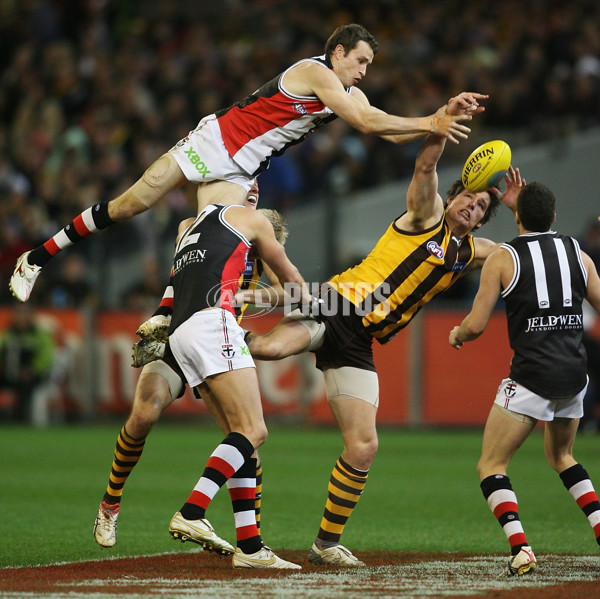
[125, 206]
[370, 450]
[257, 434]
[480, 470]
[263, 347]
[360, 454]
[487, 466]
[146, 411]
[161, 177]
[140, 423]
[560, 462]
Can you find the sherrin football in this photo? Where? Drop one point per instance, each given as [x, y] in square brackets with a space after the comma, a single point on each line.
[486, 166]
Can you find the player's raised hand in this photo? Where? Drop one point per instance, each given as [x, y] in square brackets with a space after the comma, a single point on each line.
[447, 125]
[466, 103]
[514, 184]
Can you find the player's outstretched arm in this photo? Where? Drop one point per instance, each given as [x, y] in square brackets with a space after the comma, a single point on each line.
[356, 110]
[424, 204]
[259, 231]
[487, 296]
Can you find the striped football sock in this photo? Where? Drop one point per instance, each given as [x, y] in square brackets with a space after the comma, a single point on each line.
[579, 485]
[242, 489]
[502, 500]
[223, 463]
[89, 221]
[345, 488]
[127, 453]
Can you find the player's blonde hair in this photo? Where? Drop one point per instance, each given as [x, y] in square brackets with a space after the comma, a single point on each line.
[278, 223]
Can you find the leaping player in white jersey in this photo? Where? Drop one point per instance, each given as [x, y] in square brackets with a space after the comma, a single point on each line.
[228, 149]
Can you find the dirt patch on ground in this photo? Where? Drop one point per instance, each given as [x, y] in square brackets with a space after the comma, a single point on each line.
[196, 573]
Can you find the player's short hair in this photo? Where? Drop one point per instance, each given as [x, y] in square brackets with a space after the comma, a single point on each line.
[278, 222]
[457, 187]
[536, 207]
[349, 36]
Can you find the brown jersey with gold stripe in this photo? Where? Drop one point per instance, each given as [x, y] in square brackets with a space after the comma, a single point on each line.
[403, 272]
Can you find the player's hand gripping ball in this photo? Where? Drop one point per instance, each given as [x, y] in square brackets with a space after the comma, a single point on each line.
[486, 166]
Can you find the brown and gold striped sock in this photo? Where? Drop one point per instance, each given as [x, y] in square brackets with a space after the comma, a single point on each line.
[258, 496]
[127, 453]
[345, 488]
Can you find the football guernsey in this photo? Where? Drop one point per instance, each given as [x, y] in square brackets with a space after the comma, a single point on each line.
[403, 272]
[210, 259]
[544, 313]
[270, 120]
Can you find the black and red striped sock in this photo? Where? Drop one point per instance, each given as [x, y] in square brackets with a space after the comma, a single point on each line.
[579, 485]
[242, 489]
[502, 500]
[223, 463]
[89, 221]
[165, 308]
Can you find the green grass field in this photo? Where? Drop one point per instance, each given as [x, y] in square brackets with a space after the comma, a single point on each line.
[422, 494]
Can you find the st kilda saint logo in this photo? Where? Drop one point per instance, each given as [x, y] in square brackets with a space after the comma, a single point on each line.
[227, 351]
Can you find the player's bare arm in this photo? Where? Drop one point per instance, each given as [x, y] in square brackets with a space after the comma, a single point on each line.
[424, 204]
[496, 271]
[313, 79]
[593, 287]
[275, 291]
[274, 295]
[259, 231]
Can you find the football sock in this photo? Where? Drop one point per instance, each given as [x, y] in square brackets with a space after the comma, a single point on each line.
[223, 463]
[89, 221]
[579, 485]
[242, 490]
[502, 500]
[165, 308]
[345, 487]
[127, 453]
[258, 496]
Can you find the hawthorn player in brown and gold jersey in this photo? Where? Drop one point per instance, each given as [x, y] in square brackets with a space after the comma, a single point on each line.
[421, 254]
[391, 292]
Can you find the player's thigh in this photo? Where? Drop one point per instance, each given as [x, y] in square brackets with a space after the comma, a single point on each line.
[152, 394]
[287, 338]
[559, 437]
[502, 436]
[161, 177]
[355, 418]
[238, 397]
[214, 407]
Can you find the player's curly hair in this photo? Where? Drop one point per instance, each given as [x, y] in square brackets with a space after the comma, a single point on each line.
[349, 36]
[492, 208]
[278, 222]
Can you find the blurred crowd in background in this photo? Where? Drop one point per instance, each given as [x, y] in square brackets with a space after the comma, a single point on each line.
[92, 91]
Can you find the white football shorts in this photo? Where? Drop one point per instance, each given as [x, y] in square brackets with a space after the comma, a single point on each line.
[519, 399]
[207, 343]
[202, 156]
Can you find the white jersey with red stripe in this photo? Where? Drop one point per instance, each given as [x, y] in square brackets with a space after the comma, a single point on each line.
[270, 120]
